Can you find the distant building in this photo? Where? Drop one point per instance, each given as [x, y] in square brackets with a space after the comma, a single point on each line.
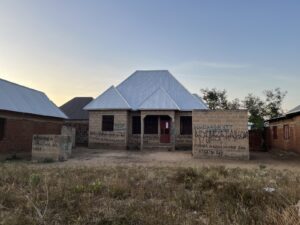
[23, 113]
[78, 118]
[150, 109]
[284, 131]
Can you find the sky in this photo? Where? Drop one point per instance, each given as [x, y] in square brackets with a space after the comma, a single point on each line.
[69, 48]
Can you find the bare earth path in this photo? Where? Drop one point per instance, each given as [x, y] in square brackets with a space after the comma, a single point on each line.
[96, 157]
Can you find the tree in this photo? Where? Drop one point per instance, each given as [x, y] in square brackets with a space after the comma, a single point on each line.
[256, 109]
[217, 99]
[234, 104]
[274, 99]
[259, 109]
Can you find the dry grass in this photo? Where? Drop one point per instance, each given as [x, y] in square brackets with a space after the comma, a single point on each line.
[145, 195]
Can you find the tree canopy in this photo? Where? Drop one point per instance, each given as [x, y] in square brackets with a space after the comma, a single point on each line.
[259, 109]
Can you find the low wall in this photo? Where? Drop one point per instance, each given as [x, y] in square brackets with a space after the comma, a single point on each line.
[51, 147]
[220, 134]
[69, 131]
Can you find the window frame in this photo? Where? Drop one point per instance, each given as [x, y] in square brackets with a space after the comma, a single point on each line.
[2, 128]
[105, 126]
[136, 125]
[153, 129]
[184, 129]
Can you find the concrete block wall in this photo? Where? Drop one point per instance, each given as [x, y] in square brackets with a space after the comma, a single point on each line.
[116, 139]
[82, 130]
[182, 141]
[220, 134]
[51, 147]
[150, 140]
[69, 131]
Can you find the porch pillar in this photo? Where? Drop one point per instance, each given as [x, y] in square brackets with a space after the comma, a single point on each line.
[142, 131]
[173, 132]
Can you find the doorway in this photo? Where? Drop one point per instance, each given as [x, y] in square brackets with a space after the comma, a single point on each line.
[165, 128]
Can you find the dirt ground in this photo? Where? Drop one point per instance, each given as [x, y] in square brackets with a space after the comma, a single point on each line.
[96, 157]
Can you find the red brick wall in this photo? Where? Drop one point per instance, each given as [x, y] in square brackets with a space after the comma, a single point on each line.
[19, 129]
[290, 144]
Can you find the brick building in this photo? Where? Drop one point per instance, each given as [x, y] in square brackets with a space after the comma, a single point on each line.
[78, 118]
[23, 113]
[284, 131]
[150, 109]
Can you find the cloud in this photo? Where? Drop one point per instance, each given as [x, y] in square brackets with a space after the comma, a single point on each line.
[221, 65]
[192, 67]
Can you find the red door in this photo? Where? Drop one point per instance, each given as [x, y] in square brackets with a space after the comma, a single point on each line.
[165, 131]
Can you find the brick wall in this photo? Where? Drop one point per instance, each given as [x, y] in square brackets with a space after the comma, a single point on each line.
[19, 130]
[290, 144]
[220, 134]
[108, 139]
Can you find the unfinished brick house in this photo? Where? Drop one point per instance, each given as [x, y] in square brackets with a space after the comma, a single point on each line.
[23, 113]
[150, 109]
[284, 131]
[78, 118]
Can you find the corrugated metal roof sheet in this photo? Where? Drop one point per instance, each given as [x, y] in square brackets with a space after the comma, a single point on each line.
[201, 101]
[110, 99]
[161, 100]
[17, 98]
[74, 108]
[142, 84]
[295, 110]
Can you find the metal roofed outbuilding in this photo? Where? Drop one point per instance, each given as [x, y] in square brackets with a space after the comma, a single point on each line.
[20, 99]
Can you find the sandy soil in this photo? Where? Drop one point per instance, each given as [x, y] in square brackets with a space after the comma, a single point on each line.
[96, 157]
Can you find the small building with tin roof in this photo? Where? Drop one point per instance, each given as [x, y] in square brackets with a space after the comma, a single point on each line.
[23, 113]
[284, 131]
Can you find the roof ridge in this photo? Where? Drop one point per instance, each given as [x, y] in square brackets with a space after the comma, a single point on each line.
[127, 78]
[149, 96]
[112, 89]
[199, 98]
[180, 84]
[155, 92]
[121, 96]
[170, 97]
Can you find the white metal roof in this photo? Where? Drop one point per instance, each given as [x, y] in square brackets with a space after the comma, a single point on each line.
[201, 101]
[17, 98]
[295, 110]
[159, 100]
[142, 84]
[110, 99]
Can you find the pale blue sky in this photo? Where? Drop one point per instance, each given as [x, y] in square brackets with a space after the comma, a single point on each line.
[70, 48]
